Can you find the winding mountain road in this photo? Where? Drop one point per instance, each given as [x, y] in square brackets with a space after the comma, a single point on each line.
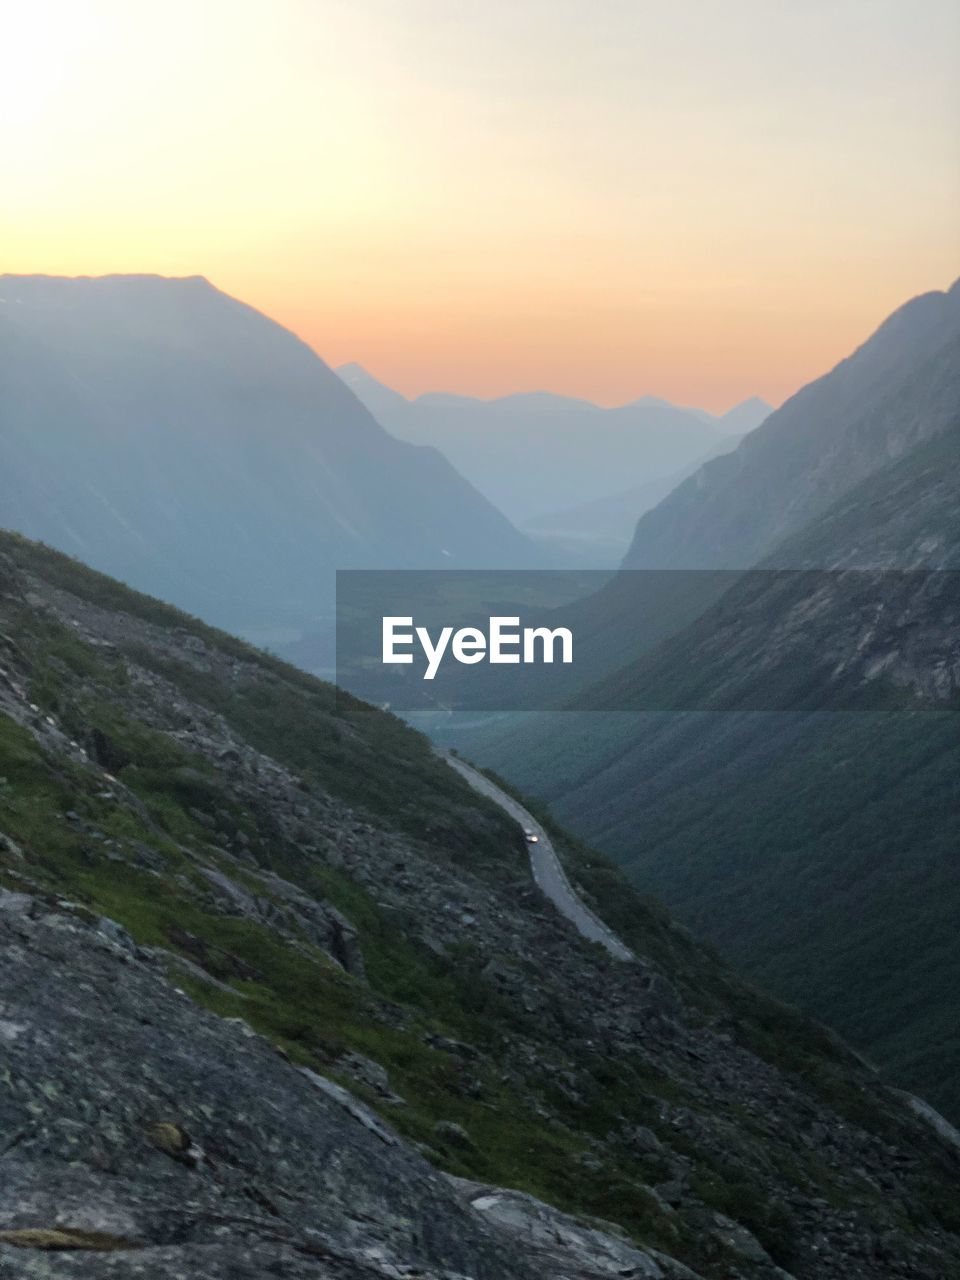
[547, 871]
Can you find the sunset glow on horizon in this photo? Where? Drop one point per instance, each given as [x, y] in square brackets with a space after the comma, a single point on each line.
[700, 201]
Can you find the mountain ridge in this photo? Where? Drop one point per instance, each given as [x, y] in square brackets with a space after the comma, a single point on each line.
[357, 375]
[145, 418]
[288, 887]
[823, 440]
[537, 453]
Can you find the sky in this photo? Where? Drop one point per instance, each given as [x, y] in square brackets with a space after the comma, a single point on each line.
[698, 199]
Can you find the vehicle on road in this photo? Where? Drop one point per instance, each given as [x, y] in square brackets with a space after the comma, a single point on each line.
[531, 836]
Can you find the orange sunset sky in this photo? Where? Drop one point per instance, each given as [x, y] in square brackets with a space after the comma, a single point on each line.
[702, 199]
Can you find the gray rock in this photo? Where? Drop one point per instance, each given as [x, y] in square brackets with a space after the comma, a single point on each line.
[367, 1072]
[11, 579]
[559, 1243]
[16, 904]
[452, 1134]
[645, 1141]
[113, 1054]
[10, 848]
[116, 934]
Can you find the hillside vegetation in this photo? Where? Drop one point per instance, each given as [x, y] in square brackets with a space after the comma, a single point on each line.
[306, 864]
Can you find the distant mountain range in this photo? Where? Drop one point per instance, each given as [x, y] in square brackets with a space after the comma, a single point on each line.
[817, 848]
[185, 443]
[536, 455]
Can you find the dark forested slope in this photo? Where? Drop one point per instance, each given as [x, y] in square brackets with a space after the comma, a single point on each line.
[817, 847]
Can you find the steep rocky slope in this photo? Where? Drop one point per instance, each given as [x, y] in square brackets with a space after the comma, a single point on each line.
[897, 390]
[190, 446]
[281, 998]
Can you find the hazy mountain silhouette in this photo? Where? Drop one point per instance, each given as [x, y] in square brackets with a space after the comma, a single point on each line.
[538, 453]
[745, 416]
[599, 532]
[900, 387]
[180, 440]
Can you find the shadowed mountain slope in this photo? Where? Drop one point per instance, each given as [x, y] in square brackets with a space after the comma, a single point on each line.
[816, 848]
[183, 442]
[900, 388]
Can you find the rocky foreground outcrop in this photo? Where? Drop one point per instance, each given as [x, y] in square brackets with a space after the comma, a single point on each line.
[143, 1136]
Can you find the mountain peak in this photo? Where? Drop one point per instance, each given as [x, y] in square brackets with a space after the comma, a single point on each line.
[354, 372]
[745, 416]
[651, 402]
[754, 402]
